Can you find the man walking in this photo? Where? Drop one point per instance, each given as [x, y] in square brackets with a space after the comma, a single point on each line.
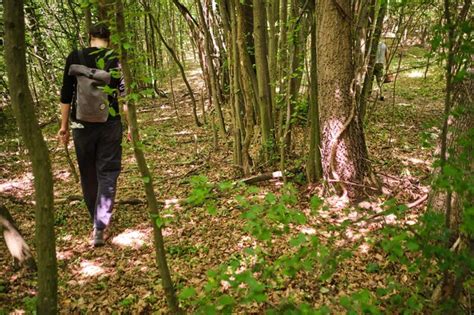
[89, 96]
[380, 60]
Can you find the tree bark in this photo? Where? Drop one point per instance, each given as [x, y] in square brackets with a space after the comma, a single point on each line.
[38, 152]
[248, 83]
[263, 77]
[313, 164]
[145, 172]
[344, 153]
[369, 77]
[214, 83]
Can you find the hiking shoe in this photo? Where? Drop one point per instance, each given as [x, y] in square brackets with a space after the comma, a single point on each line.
[99, 239]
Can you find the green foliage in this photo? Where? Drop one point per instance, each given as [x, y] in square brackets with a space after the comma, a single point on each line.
[30, 304]
[269, 218]
[250, 275]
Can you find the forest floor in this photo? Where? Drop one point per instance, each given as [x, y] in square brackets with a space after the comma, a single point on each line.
[121, 277]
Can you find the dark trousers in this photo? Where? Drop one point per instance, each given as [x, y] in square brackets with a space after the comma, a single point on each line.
[99, 155]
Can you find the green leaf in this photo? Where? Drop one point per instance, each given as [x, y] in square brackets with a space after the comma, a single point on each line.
[225, 186]
[345, 302]
[372, 267]
[315, 204]
[146, 179]
[412, 245]
[100, 63]
[212, 208]
[324, 290]
[187, 293]
[112, 111]
[159, 221]
[298, 240]
[225, 300]
[270, 198]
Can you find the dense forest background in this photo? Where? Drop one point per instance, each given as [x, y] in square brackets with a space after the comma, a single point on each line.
[265, 172]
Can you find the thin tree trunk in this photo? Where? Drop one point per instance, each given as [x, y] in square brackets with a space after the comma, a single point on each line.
[263, 77]
[215, 91]
[146, 175]
[456, 151]
[273, 8]
[313, 164]
[369, 77]
[249, 85]
[43, 180]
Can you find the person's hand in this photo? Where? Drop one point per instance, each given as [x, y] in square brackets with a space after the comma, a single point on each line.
[63, 136]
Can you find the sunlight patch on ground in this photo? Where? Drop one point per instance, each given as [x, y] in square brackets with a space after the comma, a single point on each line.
[131, 238]
[416, 74]
[62, 175]
[91, 268]
[307, 230]
[172, 203]
[167, 232]
[24, 182]
[64, 255]
[406, 160]
[164, 118]
[364, 248]
[246, 242]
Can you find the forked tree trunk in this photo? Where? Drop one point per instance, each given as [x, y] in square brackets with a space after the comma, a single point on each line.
[236, 101]
[344, 153]
[214, 82]
[248, 82]
[145, 172]
[23, 109]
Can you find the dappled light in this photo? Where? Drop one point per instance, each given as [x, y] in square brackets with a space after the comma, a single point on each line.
[416, 74]
[286, 162]
[132, 238]
[17, 186]
[91, 268]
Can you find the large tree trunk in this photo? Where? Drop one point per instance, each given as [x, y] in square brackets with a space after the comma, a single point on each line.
[31, 133]
[344, 153]
[145, 172]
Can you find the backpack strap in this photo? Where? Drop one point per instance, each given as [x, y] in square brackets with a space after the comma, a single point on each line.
[82, 60]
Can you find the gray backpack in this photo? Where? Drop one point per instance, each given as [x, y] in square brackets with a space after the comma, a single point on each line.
[92, 103]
